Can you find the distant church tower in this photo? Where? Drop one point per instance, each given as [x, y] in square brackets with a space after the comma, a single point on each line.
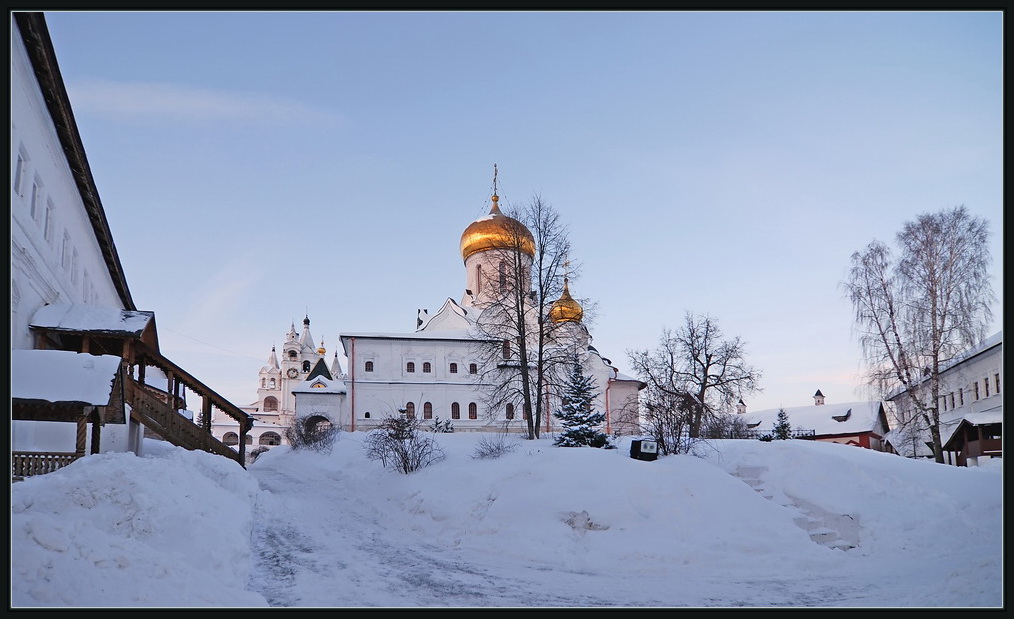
[279, 377]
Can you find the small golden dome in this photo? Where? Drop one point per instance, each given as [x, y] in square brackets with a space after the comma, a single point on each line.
[321, 350]
[566, 309]
[496, 231]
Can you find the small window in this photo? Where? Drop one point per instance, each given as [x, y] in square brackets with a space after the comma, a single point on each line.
[367, 415]
[410, 367]
[231, 438]
[455, 411]
[369, 366]
[985, 384]
[453, 368]
[952, 399]
[410, 410]
[36, 198]
[427, 367]
[19, 173]
[428, 410]
[503, 276]
[996, 382]
[292, 354]
[478, 278]
[47, 229]
[306, 366]
[273, 383]
[270, 404]
[506, 349]
[473, 411]
[975, 389]
[510, 411]
[473, 368]
[65, 251]
[961, 397]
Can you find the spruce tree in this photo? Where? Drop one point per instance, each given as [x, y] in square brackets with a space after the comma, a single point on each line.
[581, 423]
[782, 430]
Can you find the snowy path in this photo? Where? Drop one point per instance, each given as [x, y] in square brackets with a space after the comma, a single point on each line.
[321, 540]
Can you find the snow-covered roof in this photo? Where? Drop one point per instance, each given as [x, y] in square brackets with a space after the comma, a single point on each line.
[459, 334]
[323, 386]
[92, 318]
[823, 419]
[63, 376]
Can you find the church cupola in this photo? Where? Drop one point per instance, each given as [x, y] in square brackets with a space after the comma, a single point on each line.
[566, 309]
[496, 231]
[818, 398]
[498, 252]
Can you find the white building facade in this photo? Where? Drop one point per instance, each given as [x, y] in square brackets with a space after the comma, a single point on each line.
[971, 391]
[62, 251]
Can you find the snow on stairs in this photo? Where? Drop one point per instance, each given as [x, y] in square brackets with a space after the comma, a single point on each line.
[829, 529]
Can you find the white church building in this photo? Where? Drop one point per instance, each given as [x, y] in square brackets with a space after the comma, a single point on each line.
[433, 373]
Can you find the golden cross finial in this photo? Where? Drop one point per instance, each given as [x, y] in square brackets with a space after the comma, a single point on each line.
[494, 179]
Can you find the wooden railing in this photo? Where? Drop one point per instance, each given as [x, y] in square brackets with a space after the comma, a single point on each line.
[983, 447]
[28, 463]
[155, 412]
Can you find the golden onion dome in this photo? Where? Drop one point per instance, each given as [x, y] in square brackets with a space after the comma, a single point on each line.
[496, 231]
[321, 350]
[566, 309]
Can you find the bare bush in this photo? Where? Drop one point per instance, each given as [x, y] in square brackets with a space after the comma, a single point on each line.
[492, 447]
[312, 434]
[398, 443]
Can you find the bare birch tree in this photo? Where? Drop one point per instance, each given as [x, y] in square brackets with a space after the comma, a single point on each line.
[693, 376]
[914, 313]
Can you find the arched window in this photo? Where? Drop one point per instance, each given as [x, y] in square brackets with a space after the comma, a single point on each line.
[410, 410]
[510, 411]
[455, 410]
[473, 411]
[270, 404]
[262, 382]
[473, 368]
[478, 278]
[292, 354]
[503, 276]
[506, 349]
[367, 415]
[428, 411]
[231, 438]
[410, 367]
[306, 366]
[427, 367]
[369, 366]
[269, 438]
[454, 368]
[272, 383]
[249, 440]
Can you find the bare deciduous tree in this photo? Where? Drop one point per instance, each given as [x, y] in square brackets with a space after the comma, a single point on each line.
[915, 312]
[692, 377]
[521, 348]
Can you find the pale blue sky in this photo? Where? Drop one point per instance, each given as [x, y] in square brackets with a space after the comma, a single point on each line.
[255, 166]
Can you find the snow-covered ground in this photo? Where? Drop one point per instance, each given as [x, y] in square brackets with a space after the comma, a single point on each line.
[741, 524]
